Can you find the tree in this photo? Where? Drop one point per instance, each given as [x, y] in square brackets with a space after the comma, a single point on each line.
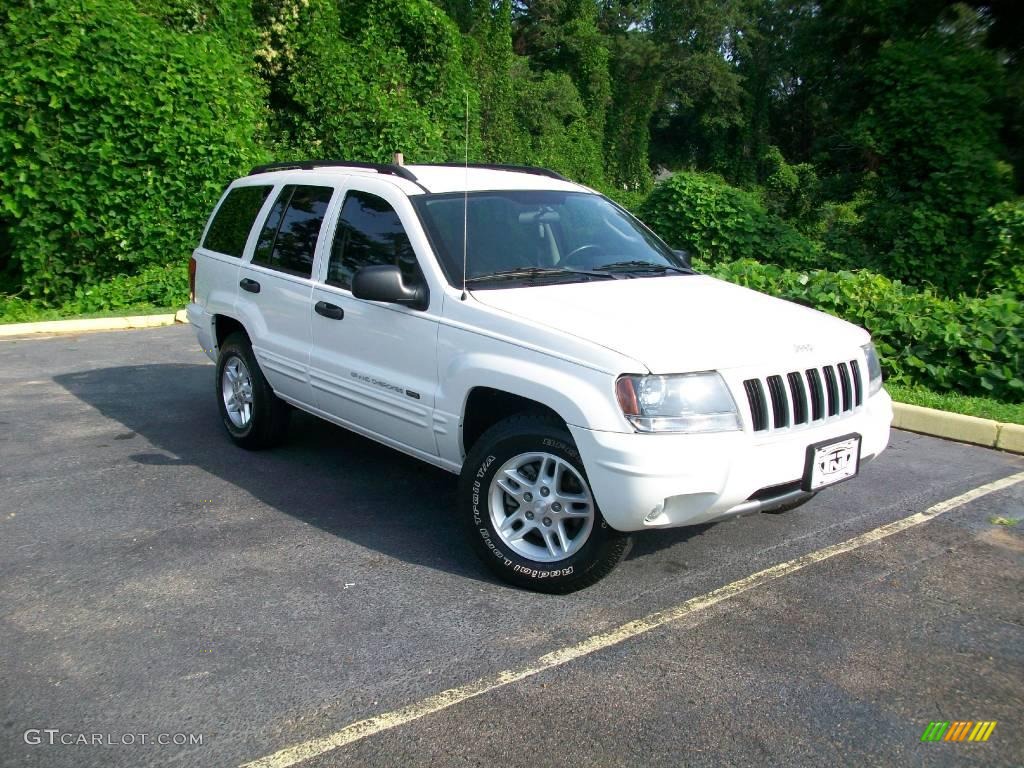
[362, 79]
[931, 137]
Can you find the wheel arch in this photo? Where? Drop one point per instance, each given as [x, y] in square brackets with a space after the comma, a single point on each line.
[488, 387]
[224, 326]
[485, 406]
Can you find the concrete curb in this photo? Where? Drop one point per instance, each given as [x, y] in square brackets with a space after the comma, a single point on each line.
[92, 324]
[956, 426]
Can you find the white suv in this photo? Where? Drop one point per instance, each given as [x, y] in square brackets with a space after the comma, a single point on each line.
[529, 335]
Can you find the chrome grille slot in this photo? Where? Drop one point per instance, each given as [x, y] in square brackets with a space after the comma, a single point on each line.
[845, 386]
[796, 391]
[758, 406]
[780, 405]
[786, 400]
[857, 391]
[817, 394]
[831, 390]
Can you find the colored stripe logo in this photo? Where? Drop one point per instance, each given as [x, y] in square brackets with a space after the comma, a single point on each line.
[959, 730]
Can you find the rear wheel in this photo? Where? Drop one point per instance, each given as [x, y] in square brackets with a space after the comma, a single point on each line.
[529, 510]
[253, 415]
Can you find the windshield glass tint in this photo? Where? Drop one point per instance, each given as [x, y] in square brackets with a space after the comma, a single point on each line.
[522, 229]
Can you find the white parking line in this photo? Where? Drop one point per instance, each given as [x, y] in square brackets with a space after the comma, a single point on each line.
[440, 701]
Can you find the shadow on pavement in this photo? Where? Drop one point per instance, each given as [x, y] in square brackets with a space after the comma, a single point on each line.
[324, 475]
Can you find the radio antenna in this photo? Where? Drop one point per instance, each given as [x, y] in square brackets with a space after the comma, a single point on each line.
[465, 205]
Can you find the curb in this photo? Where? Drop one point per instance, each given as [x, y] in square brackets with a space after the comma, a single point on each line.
[956, 426]
[93, 324]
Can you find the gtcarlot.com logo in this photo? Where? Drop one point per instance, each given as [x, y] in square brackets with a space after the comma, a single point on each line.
[57, 737]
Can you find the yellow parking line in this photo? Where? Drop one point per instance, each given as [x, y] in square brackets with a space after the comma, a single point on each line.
[440, 701]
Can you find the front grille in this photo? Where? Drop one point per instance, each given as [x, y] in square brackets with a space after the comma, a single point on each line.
[781, 401]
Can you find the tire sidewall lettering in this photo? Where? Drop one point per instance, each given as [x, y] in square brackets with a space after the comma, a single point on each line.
[479, 502]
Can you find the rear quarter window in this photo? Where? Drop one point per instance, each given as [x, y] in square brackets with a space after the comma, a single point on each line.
[234, 219]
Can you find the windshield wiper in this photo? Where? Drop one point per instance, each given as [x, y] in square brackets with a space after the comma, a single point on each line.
[643, 266]
[526, 273]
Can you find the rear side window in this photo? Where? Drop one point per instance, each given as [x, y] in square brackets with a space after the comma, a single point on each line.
[288, 239]
[369, 232]
[231, 226]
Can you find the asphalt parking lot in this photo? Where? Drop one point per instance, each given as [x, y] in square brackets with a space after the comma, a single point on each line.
[156, 580]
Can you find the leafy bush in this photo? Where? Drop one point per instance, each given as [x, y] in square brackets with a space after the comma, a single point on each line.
[154, 287]
[116, 136]
[157, 286]
[973, 346]
[718, 222]
[789, 191]
[1001, 231]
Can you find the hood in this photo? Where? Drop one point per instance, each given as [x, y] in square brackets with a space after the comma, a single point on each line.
[682, 323]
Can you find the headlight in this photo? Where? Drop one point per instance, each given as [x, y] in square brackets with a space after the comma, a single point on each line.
[690, 402]
[874, 369]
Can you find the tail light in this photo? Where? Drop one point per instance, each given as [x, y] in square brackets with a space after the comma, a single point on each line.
[192, 279]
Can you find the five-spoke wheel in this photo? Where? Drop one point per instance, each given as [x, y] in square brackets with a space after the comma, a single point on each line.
[529, 510]
[541, 506]
[236, 389]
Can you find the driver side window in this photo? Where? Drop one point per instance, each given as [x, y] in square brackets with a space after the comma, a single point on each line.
[369, 232]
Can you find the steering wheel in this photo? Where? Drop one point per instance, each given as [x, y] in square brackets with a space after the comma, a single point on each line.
[568, 258]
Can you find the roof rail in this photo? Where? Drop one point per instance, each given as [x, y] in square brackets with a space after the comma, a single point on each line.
[308, 165]
[498, 167]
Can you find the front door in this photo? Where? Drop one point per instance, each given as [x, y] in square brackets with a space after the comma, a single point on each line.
[373, 366]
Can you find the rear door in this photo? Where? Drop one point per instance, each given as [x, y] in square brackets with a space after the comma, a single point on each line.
[224, 243]
[374, 365]
[274, 299]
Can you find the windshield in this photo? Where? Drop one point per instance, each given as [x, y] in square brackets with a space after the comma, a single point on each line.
[534, 232]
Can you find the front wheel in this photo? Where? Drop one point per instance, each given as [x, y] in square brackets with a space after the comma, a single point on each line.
[529, 510]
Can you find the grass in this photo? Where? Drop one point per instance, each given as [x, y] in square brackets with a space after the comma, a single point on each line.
[1009, 522]
[986, 408]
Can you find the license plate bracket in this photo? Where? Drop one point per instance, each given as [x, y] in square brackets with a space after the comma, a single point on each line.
[831, 461]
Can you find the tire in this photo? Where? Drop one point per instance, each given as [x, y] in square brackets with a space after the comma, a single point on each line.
[264, 423]
[565, 545]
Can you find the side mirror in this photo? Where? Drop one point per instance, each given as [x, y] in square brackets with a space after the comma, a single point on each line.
[684, 256]
[384, 282]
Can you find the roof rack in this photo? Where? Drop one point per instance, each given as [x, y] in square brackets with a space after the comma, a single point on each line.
[308, 165]
[399, 170]
[498, 167]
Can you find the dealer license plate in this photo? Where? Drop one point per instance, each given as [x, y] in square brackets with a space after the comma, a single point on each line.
[831, 462]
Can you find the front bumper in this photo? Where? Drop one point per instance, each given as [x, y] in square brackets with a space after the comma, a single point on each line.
[645, 481]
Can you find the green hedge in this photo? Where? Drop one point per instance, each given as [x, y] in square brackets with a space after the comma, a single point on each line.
[718, 222]
[154, 287]
[1001, 232]
[974, 346]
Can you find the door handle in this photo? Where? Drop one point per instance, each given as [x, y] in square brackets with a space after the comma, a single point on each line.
[249, 285]
[333, 311]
